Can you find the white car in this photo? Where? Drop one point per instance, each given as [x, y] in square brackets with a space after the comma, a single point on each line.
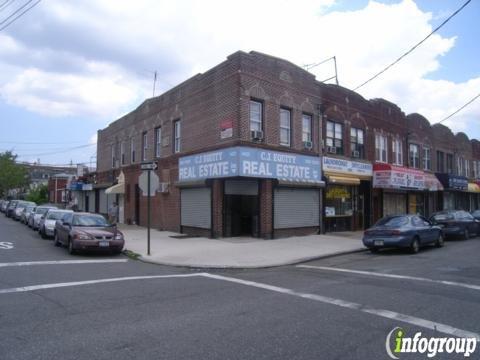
[34, 220]
[47, 222]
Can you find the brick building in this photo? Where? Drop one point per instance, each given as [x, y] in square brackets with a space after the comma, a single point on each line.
[258, 146]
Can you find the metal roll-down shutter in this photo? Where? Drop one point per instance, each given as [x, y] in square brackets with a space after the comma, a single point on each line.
[294, 208]
[196, 205]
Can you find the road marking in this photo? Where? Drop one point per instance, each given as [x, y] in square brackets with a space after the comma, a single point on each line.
[435, 326]
[392, 276]
[63, 262]
[5, 245]
[439, 327]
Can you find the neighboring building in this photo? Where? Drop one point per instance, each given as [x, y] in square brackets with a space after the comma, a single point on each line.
[39, 173]
[257, 146]
[58, 192]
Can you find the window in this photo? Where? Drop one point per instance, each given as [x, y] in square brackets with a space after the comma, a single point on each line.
[334, 137]
[414, 156]
[440, 161]
[256, 115]
[158, 141]
[450, 163]
[306, 128]
[356, 143]
[122, 152]
[426, 159]
[176, 136]
[144, 146]
[132, 150]
[475, 170]
[397, 151]
[467, 168]
[459, 166]
[113, 155]
[381, 148]
[285, 128]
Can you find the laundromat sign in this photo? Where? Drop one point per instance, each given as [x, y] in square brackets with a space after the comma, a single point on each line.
[250, 162]
[346, 166]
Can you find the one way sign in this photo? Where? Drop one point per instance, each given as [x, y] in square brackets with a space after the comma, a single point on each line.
[149, 166]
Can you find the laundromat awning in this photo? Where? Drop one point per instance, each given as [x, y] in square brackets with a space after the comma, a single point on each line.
[345, 180]
[473, 187]
[116, 189]
[316, 184]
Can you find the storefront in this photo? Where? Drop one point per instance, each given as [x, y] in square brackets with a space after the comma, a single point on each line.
[474, 195]
[250, 191]
[455, 195]
[347, 194]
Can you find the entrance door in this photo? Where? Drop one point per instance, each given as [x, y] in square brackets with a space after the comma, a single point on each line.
[241, 215]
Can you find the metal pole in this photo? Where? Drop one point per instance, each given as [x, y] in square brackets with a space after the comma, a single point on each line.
[148, 214]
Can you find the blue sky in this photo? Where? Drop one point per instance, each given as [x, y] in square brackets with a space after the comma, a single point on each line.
[68, 70]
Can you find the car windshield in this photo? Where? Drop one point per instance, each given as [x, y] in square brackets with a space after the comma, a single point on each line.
[55, 215]
[30, 208]
[89, 220]
[442, 217]
[476, 213]
[393, 221]
[41, 211]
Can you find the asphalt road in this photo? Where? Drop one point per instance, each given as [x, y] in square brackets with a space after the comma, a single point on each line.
[312, 311]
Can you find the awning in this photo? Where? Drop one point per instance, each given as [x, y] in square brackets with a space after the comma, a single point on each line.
[473, 187]
[116, 189]
[345, 180]
[432, 183]
[316, 184]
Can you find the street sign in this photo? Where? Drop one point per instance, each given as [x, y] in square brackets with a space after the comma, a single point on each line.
[149, 166]
[143, 182]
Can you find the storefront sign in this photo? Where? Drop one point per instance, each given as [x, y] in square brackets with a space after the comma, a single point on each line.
[346, 166]
[75, 186]
[396, 177]
[453, 182]
[250, 162]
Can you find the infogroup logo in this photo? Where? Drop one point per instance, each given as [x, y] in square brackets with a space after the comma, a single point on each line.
[397, 343]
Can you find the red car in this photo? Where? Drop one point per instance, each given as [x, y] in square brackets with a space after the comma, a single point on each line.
[86, 231]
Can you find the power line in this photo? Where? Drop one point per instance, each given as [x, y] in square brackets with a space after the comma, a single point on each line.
[5, 4]
[56, 152]
[40, 143]
[459, 109]
[19, 15]
[414, 47]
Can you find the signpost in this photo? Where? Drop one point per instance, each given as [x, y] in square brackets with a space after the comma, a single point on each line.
[146, 187]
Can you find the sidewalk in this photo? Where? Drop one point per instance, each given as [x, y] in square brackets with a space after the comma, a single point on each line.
[238, 252]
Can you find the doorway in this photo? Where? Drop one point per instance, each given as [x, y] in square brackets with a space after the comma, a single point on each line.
[241, 215]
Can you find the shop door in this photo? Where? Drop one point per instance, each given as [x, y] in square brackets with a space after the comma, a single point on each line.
[241, 208]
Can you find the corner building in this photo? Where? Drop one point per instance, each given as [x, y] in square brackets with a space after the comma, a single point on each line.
[257, 147]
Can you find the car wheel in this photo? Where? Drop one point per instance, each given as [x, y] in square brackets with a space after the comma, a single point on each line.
[415, 246]
[42, 234]
[56, 242]
[71, 250]
[466, 234]
[440, 241]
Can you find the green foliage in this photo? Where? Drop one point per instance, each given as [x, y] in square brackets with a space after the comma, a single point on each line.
[12, 175]
[38, 195]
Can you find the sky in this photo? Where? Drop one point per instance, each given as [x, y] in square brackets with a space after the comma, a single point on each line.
[70, 68]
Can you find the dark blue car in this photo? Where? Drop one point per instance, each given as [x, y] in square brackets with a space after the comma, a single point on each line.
[457, 223]
[403, 231]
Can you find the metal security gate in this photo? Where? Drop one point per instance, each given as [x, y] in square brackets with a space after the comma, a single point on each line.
[295, 208]
[196, 207]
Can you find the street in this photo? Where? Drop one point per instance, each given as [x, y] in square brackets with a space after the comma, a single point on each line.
[113, 307]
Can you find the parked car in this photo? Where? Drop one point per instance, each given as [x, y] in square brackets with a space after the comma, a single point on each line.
[46, 227]
[456, 223]
[402, 231]
[3, 205]
[476, 214]
[11, 207]
[87, 231]
[35, 217]
[21, 205]
[26, 213]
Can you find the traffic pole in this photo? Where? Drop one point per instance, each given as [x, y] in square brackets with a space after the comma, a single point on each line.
[148, 214]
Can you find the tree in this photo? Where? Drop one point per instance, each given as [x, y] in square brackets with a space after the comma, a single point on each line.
[12, 175]
[39, 195]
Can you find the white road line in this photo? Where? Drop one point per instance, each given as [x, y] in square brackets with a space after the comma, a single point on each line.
[89, 282]
[392, 276]
[62, 262]
[439, 327]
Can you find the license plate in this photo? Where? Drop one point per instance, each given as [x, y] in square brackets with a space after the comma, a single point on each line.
[103, 244]
[378, 243]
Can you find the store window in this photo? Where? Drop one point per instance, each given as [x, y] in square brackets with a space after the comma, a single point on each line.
[334, 138]
[414, 156]
[357, 143]
[394, 204]
[448, 201]
[338, 201]
[416, 204]
[381, 148]
[397, 152]
[427, 163]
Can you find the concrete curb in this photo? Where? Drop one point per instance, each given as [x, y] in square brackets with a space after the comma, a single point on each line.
[269, 265]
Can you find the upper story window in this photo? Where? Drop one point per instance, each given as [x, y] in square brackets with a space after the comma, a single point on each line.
[122, 152]
[132, 150]
[176, 136]
[440, 161]
[381, 148]
[357, 143]
[460, 166]
[306, 128]
[413, 156]
[113, 155]
[285, 127]
[397, 152]
[256, 116]
[467, 168]
[427, 162]
[144, 146]
[450, 163]
[158, 141]
[334, 138]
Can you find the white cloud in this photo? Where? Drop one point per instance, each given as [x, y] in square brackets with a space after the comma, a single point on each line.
[94, 59]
